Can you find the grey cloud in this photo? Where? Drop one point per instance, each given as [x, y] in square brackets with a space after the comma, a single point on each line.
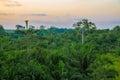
[6, 14]
[3, 14]
[39, 14]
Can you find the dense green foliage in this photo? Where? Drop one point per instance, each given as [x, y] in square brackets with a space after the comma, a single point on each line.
[2, 31]
[58, 54]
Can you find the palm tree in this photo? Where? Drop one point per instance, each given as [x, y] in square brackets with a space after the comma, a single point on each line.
[84, 25]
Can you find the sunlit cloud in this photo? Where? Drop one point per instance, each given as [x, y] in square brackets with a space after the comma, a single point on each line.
[10, 3]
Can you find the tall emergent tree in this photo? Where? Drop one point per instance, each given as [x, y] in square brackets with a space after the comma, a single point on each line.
[84, 25]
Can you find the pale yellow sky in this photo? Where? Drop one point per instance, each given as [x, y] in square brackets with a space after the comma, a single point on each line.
[58, 12]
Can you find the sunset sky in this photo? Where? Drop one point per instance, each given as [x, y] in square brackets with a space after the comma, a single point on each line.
[61, 13]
